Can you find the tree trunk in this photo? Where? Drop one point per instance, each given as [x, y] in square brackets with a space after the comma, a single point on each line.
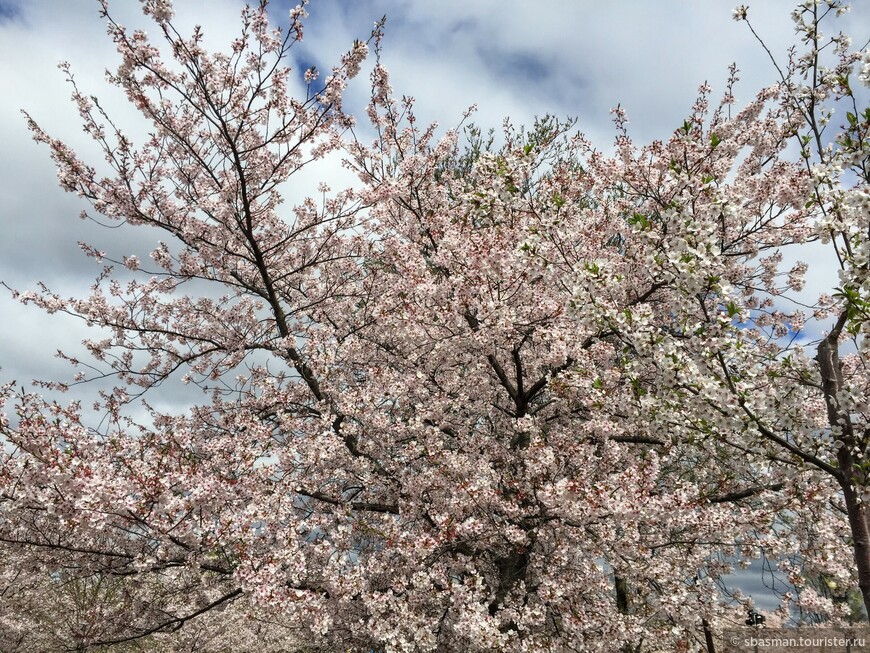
[708, 636]
[847, 473]
[858, 523]
[621, 594]
[511, 569]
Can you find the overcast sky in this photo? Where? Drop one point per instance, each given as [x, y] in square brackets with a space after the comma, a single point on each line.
[512, 58]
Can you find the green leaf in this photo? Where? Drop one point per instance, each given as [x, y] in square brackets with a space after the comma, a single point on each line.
[640, 221]
[732, 309]
[844, 82]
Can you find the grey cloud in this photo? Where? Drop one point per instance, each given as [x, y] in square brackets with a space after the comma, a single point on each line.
[570, 59]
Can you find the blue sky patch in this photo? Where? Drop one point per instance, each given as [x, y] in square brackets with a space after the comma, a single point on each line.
[9, 10]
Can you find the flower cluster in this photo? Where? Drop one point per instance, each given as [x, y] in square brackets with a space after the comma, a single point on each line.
[506, 397]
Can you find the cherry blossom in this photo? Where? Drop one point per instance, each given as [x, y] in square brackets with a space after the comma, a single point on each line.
[519, 397]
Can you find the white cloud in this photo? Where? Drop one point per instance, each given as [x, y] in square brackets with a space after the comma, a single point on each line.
[511, 58]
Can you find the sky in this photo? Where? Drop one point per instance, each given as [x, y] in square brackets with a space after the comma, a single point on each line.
[512, 58]
[579, 58]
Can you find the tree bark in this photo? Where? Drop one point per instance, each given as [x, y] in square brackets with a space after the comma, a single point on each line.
[708, 637]
[856, 511]
[621, 594]
[847, 471]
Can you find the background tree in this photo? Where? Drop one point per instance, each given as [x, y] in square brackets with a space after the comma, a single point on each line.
[817, 83]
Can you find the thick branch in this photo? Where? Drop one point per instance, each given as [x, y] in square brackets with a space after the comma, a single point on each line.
[745, 494]
[637, 439]
[171, 624]
[355, 505]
